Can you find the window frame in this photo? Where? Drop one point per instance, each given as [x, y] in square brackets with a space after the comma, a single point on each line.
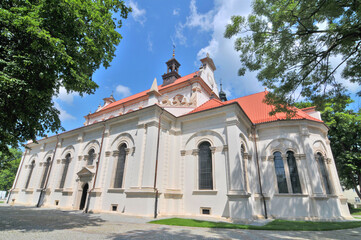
[31, 170]
[65, 171]
[244, 156]
[45, 172]
[126, 150]
[93, 155]
[287, 173]
[211, 151]
[327, 170]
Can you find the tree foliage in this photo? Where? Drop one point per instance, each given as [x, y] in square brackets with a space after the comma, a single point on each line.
[298, 45]
[45, 45]
[8, 168]
[345, 139]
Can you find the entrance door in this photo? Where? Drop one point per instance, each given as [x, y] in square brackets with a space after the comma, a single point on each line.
[83, 196]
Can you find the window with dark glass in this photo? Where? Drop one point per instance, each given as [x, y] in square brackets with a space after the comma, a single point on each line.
[30, 173]
[244, 165]
[324, 173]
[91, 156]
[65, 170]
[294, 178]
[205, 166]
[47, 164]
[280, 173]
[119, 172]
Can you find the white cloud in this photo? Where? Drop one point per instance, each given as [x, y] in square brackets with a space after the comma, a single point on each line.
[123, 91]
[150, 44]
[138, 14]
[221, 49]
[64, 115]
[176, 11]
[66, 97]
[179, 35]
[202, 21]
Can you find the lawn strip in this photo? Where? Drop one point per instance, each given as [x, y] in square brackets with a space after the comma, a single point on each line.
[280, 225]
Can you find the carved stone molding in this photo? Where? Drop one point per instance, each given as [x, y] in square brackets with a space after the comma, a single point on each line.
[225, 148]
[304, 131]
[300, 156]
[195, 152]
[232, 122]
[213, 149]
[183, 152]
[115, 153]
[107, 153]
[127, 151]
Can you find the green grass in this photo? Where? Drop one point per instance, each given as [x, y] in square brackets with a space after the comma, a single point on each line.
[1, 201]
[355, 211]
[281, 225]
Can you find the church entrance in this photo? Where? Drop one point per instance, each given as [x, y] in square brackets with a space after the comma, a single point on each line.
[83, 196]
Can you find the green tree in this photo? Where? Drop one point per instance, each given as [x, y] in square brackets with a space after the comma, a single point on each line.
[45, 45]
[294, 44]
[8, 168]
[345, 139]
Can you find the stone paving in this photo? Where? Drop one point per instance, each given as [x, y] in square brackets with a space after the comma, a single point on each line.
[17, 222]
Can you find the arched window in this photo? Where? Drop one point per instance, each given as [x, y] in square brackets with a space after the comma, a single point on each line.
[280, 173]
[65, 170]
[324, 172]
[292, 167]
[119, 171]
[205, 166]
[47, 164]
[244, 166]
[91, 156]
[30, 173]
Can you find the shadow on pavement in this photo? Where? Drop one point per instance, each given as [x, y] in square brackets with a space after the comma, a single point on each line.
[40, 219]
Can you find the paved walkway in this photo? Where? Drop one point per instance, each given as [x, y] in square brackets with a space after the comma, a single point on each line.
[41, 223]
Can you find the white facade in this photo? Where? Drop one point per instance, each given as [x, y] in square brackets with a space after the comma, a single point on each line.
[162, 165]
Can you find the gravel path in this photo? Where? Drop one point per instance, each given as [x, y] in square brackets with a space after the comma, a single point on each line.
[18, 222]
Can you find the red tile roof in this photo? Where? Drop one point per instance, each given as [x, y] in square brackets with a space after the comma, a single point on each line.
[213, 103]
[144, 93]
[256, 110]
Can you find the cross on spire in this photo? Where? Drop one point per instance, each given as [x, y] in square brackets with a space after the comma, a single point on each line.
[173, 50]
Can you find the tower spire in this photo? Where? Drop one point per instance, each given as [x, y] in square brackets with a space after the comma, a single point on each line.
[222, 95]
[173, 50]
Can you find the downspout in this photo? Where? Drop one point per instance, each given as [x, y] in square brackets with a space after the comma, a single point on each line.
[17, 176]
[48, 174]
[156, 169]
[96, 172]
[259, 172]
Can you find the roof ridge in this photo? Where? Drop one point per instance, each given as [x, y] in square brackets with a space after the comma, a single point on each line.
[246, 96]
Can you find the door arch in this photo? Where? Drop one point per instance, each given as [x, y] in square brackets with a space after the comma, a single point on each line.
[83, 196]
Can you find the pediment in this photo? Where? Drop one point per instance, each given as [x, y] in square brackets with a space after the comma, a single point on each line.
[85, 172]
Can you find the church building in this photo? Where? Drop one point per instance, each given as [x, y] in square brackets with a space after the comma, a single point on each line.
[182, 149]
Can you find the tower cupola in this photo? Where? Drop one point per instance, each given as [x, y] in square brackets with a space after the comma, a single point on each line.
[172, 71]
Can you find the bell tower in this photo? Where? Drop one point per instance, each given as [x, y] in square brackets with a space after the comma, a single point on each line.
[172, 70]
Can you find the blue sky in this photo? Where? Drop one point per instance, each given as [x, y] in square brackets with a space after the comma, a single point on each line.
[194, 26]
